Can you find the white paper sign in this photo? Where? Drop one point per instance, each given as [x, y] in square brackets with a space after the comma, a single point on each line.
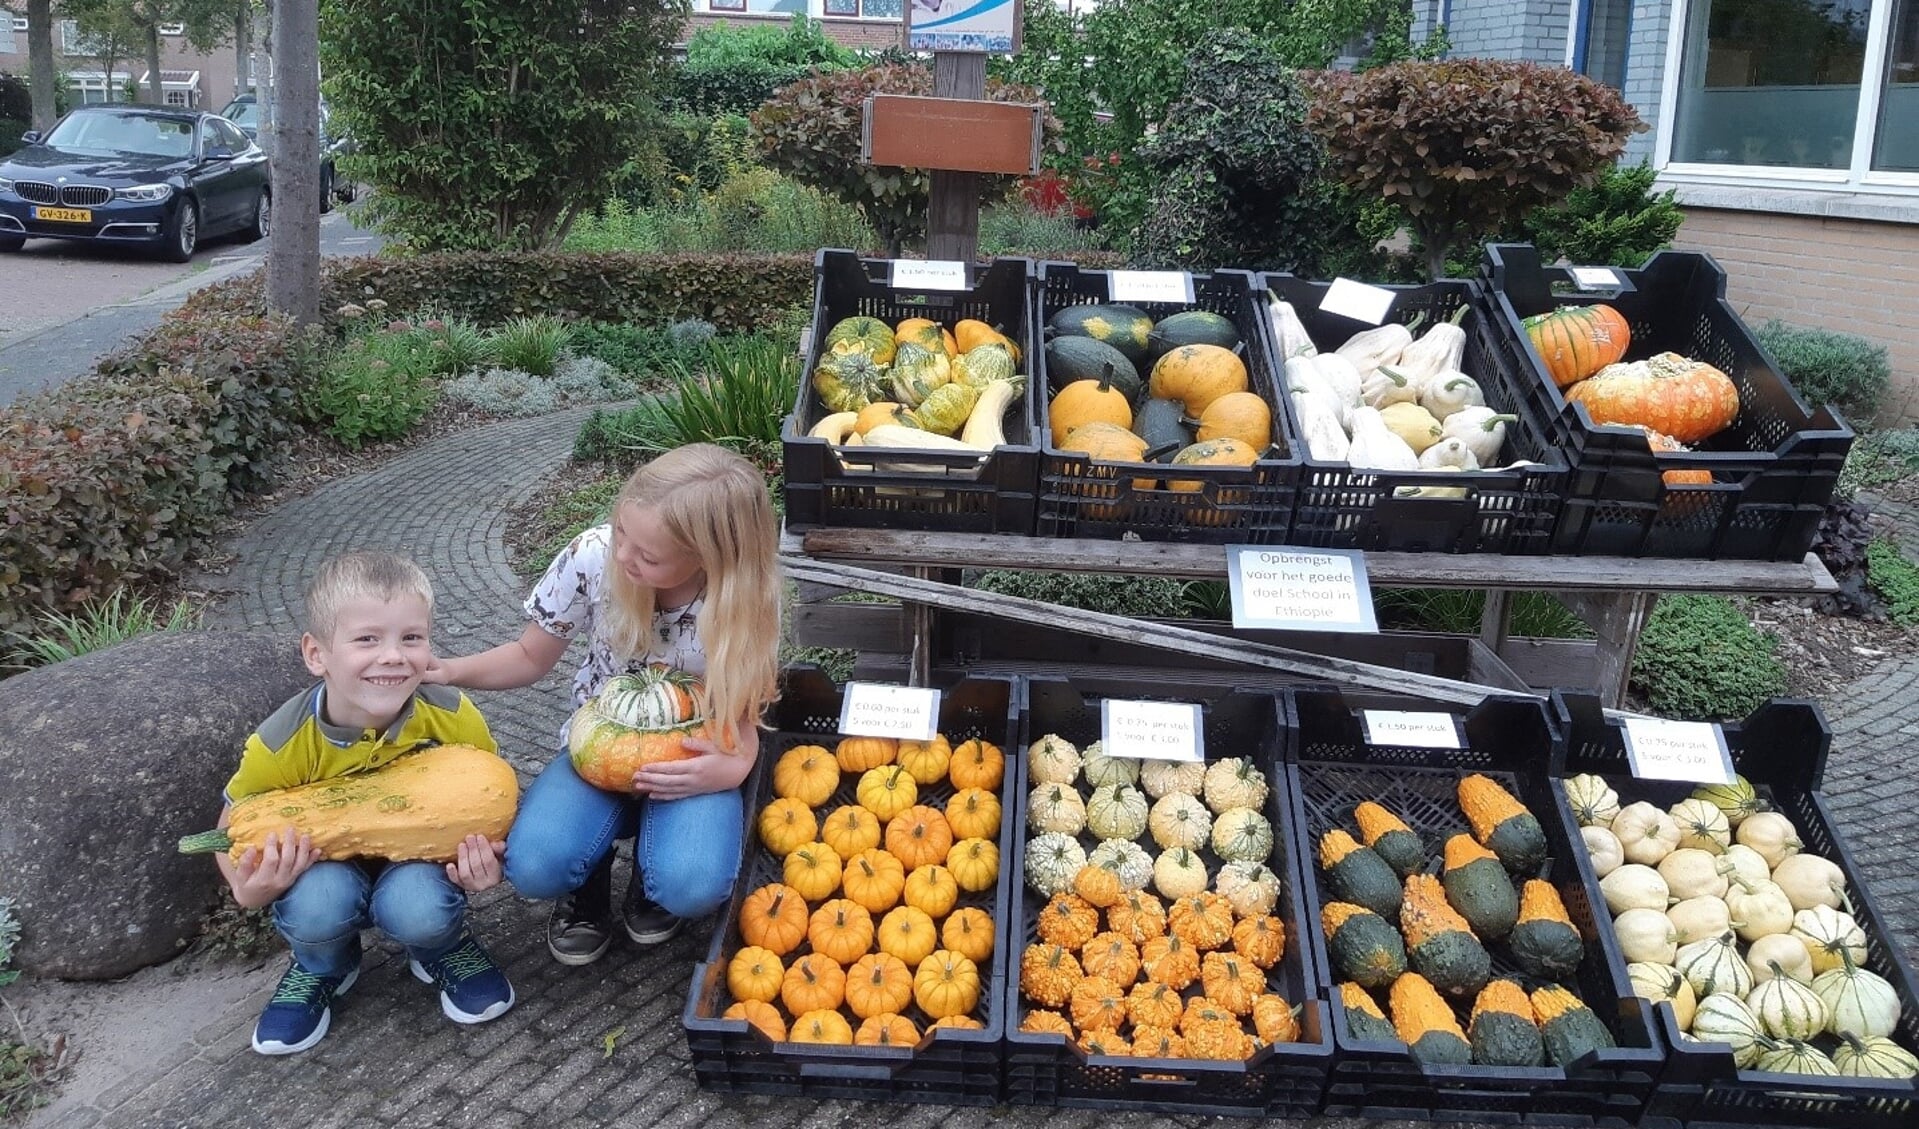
[1357, 300]
[1285, 589]
[1161, 731]
[1690, 751]
[1595, 278]
[881, 709]
[1411, 729]
[1150, 286]
[929, 274]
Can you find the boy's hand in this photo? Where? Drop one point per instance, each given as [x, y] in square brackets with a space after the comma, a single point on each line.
[711, 770]
[478, 867]
[264, 873]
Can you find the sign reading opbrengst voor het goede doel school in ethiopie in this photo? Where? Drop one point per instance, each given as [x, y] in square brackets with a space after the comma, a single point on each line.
[982, 26]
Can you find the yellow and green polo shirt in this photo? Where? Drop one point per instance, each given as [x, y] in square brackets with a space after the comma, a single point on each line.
[297, 746]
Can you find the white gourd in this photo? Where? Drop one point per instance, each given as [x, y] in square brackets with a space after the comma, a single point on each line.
[1759, 909]
[1102, 771]
[1234, 783]
[1695, 919]
[1647, 834]
[1164, 778]
[1375, 447]
[1178, 873]
[1593, 801]
[1858, 1001]
[1251, 887]
[1126, 859]
[1657, 982]
[1052, 760]
[1603, 847]
[1319, 423]
[1741, 861]
[1809, 881]
[1787, 1009]
[1242, 835]
[1052, 859]
[1770, 834]
[1635, 886]
[1180, 820]
[1737, 799]
[1796, 1057]
[1831, 936]
[1117, 811]
[1645, 935]
[1691, 872]
[1713, 966]
[1874, 1057]
[1702, 825]
[1726, 1019]
[1781, 954]
[1056, 807]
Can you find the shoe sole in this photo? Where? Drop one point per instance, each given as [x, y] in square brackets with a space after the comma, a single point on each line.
[576, 960]
[656, 937]
[454, 1013]
[319, 1029]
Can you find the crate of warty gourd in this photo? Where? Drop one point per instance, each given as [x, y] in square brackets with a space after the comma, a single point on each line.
[1413, 431]
[861, 955]
[912, 409]
[1685, 438]
[1454, 931]
[1155, 959]
[1746, 921]
[1159, 419]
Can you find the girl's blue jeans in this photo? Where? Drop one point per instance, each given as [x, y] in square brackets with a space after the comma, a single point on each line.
[687, 851]
[322, 914]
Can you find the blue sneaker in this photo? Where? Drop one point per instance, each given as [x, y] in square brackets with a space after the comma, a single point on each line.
[300, 1011]
[472, 987]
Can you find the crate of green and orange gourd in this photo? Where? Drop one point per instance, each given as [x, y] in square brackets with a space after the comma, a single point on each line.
[1685, 439]
[1159, 419]
[861, 956]
[1748, 926]
[1451, 926]
[1413, 430]
[912, 409]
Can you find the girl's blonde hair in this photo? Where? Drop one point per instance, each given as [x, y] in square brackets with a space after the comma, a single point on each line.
[714, 503]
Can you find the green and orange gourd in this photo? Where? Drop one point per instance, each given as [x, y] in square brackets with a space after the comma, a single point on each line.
[636, 720]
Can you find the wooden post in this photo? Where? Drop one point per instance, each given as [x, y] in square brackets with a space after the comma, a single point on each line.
[952, 219]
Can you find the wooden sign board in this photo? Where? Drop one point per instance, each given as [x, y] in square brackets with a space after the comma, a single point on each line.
[955, 134]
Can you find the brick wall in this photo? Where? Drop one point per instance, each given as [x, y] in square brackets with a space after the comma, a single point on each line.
[1645, 70]
[1853, 276]
[1527, 30]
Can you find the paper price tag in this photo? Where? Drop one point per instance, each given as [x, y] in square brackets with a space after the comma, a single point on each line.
[1595, 278]
[1410, 729]
[1689, 751]
[1285, 589]
[929, 274]
[1358, 301]
[1160, 731]
[881, 709]
[1151, 286]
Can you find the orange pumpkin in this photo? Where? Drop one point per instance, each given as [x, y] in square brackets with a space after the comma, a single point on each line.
[1197, 375]
[1686, 399]
[822, 1026]
[1577, 341]
[1210, 452]
[874, 879]
[1087, 401]
[878, 983]
[1097, 1004]
[755, 974]
[786, 825]
[813, 983]
[974, 863]
[850, 830]
[840, 929]
[1661, 443]
[1069, 921]
[762, 1017]
[774, 918]
[813, 870]
[1138, 916]
[926, 760]
[1244, 416]
[932, 890]
[946, 983]
[1204, 920]
[908, 934]
[1104, 1041]
[1159, 1042]
[977, 764]
[1260, 939]
[957, 1023]
[807, 773]
[1112, 956]
[857, 754]
[1097, 885]
[1170, 960]
[969, 932]
[1223, 1041]
[1047, 974]
[887, 1031]
[1152, 1004]
[973, 813]
[1231, 981]
[1200, 1011]
[919, 837]
[1275, 1020]
[887, 791]
[1040, 1021]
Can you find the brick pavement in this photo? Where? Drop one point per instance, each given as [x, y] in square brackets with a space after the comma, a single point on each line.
[392, 1060]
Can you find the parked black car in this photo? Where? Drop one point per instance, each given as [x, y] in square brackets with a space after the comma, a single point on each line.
[135, 174]
[244, 111]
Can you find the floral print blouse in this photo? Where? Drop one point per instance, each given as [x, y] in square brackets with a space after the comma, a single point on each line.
[572, 597]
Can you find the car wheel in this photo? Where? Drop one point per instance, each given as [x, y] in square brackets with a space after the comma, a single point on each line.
[326, 190]
[12, 242]
[262, 224]
[181, 235]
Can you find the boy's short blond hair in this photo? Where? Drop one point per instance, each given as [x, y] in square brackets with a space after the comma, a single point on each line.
[367, 574]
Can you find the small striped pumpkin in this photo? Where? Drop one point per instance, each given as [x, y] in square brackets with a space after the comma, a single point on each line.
[1577, 341]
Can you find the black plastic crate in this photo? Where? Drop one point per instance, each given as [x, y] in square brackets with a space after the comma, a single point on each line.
[1283, 1080]
[1083, 497]
[1773, 470]
[964, 493]
[1330, 769]
[949, 1066]
[1503, 511]
[1781, 750]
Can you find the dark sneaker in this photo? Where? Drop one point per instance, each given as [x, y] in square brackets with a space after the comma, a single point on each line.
[472, 987]
[646, 922]
[300, 1011]
[575, 934]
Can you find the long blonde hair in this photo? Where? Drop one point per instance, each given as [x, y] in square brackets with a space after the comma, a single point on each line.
[715, 504]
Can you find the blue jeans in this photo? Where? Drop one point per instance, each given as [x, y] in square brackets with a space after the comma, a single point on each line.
[687, 853]
[413, 902]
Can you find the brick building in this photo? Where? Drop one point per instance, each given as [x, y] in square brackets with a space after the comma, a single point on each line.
[188, 77]
[1788, 128]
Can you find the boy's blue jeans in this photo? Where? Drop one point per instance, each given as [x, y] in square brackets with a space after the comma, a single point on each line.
[413, 902]
[688, 850]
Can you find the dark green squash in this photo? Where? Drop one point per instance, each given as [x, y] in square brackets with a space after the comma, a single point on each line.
[1190, 327]
[1477, 886]
[1426, 1025]
[1070, 359]
[1502, 1031]
[1570, 1028]
[1502, 824]
[1544, 942]
[1439, 944]
[1363, 1018]
[1125, 328]
[1361, 945]
[1356, 874]
[1389, 836]
[1158, 422]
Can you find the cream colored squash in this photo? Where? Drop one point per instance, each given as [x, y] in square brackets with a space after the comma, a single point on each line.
[1635, 886]
[1830, 936]
[1725, 1018]
[1787, 1009]
[1874, 1057]
[1714, 966]
[1758, 909]
[1771, 834]
[1602, 846]
[1656, 982]
[1858, 1001]
[1701, 825]
[1809, 881]
[1647, 834]
[1744, 862]
[1781, 954]
[1593, 801]
[1691, 873]
[1646, 934]
[1697, 918]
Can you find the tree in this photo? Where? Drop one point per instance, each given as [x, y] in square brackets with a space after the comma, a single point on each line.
[489, 123]
[41, 63]
[293, 253]
[107, 36]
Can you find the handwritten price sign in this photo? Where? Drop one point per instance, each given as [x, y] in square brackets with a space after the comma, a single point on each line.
[1163, 731]
[880, 709]
[1689, 751]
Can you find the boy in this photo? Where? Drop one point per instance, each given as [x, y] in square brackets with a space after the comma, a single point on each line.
[369, 616]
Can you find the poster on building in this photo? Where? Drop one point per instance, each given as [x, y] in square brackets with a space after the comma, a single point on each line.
[989, 27]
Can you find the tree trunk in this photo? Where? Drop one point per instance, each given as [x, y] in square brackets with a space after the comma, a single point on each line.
[242, 49]
[156, 93]
[40, 62]
[268, 140]
[293, 258]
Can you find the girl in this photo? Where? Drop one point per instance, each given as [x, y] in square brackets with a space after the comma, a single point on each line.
[685, 573]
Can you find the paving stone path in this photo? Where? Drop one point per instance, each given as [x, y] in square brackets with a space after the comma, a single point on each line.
[602, 1046]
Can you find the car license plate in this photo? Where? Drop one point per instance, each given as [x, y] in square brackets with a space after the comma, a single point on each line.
[63, 215]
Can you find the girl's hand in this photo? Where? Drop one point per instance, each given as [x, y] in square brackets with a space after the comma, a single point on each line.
[478, 867]
[436, 673]
[710, 770]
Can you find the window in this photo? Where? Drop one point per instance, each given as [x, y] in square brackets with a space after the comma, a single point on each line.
[726, 5]
[1771, 82]
[1600, 40]
[6, 37]
[766, 7]
[177, 98]
[842, 7]
[1896, 147]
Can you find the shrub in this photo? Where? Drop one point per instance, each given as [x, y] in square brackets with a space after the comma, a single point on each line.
[1828, 367]
[1699, 657]
[506, 392]
[1879, 459]
[640, 351]
[1467, 147]
[1017, 228]
[589, 380]
[1618, 221]
[733, 70]
[529, 344]
[59, 636]
[374, 390]
[1535, 615]
[1896, 578]
[736, 394]
[1140, 597]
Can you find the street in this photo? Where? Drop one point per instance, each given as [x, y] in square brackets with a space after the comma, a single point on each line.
[68, 303]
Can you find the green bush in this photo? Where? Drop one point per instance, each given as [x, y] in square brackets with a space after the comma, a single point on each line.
[530, 344]
[375, 389]
[10, 131]
[1896, 579]
[1828, 367]
[1617, 222]
[1016, 228]
[59, 636]
[1140, 597]
[1535, 615]
[734, 69]
[1880, 458]
[736, 394]
[1699, 657]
